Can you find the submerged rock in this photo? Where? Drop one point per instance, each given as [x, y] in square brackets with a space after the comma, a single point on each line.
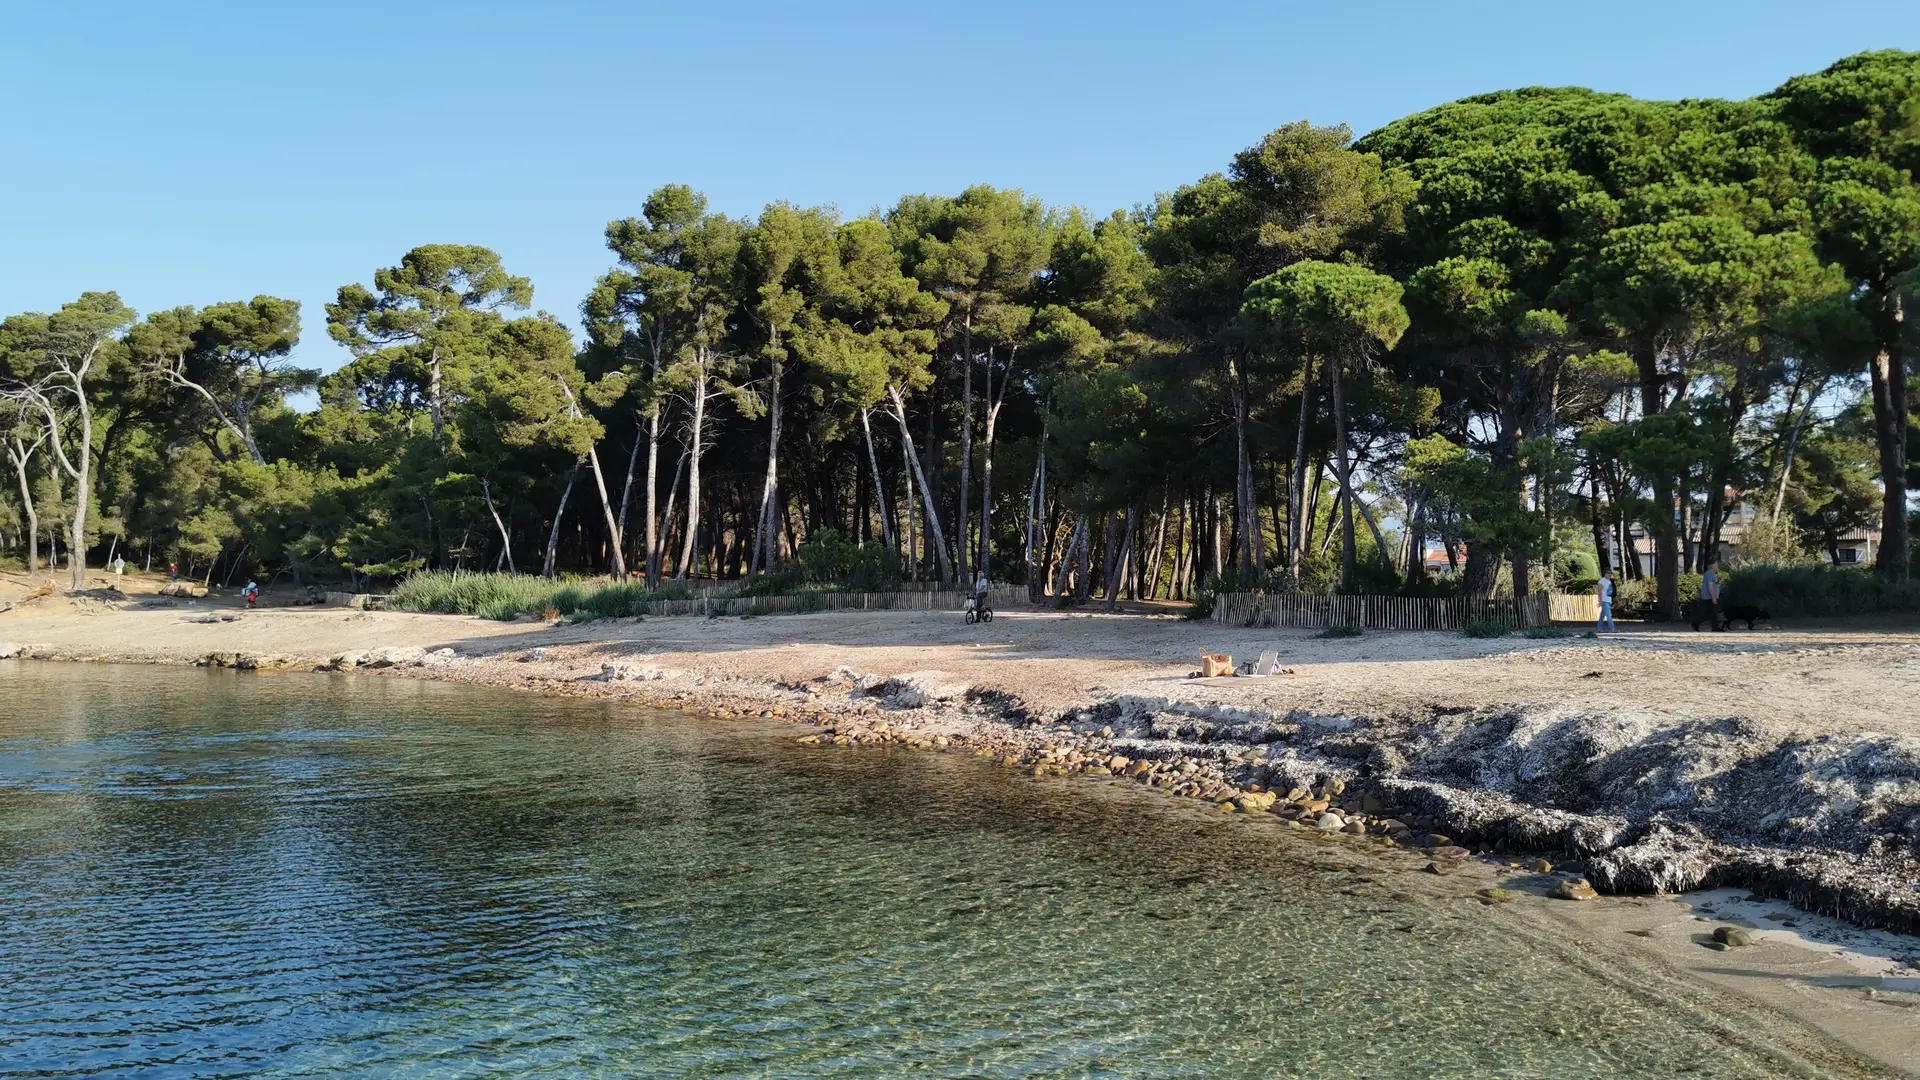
[1576, 889]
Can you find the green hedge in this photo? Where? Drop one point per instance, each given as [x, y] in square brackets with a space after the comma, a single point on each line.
[505, 596]
[1788, 592]
[1785, 592]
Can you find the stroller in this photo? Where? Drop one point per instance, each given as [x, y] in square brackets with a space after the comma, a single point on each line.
[977, 609]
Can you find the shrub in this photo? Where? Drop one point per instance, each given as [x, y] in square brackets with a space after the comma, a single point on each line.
[507, 596]
[1340, 632]
[1788, 592]
[1486, 628]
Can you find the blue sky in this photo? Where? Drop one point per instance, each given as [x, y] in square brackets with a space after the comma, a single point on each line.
[188, 153]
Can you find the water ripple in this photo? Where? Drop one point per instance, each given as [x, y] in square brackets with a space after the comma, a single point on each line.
[216, 875]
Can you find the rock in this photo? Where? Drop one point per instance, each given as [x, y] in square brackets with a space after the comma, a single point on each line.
[1356, 828]
[1118, 763]
[1440, 867]
[1332, 787]
[1371, 804]
[1455, 854]
[535, 655]
[1256, 802]
[918, 689]
[869, 683]
[1498, 896]
[438, 658]
[1139, 768]
[1666, 859]
[1542, 866]
[392, 656]
[10, 649]
[1575, 889]
[1330, 823]
[1394, 826]
[1732, 936]
[1106, 733]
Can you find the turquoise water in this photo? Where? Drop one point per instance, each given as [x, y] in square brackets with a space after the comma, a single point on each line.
[211, 874]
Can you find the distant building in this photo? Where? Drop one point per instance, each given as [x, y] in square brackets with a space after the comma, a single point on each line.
[1436, 558]
[1856, 548]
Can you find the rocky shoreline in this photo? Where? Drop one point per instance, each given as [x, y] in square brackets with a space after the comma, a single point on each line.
[1625, 803]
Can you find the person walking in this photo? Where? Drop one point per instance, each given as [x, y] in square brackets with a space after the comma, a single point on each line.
[1710, 596]
[1603, 589]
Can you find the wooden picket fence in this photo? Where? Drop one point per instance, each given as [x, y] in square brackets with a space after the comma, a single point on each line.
[1576, 607]
[1001, 598]
[1314, 612]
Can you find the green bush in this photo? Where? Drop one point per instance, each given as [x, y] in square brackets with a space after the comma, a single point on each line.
[1340, 632]
[1638, 599]
[1486, 628]
[1788, 592]
[506, 596]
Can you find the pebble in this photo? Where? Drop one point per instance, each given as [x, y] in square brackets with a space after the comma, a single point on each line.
[1576, 889]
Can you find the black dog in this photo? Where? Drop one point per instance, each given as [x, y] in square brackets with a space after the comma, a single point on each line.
[1722, 617]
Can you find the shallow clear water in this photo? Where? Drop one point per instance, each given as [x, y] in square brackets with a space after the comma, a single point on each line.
[212, 874]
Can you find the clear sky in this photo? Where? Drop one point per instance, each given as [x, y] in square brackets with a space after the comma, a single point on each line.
[193, 152]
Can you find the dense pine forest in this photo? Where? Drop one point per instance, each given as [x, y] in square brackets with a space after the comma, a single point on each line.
[1531, 330]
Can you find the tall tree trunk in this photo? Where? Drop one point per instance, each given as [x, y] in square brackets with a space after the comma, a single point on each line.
[879, 492]
[1417, 542]
[688, 543]
[666, 514]
[553, 534]
[1118, 558]
[1666, 538]
[1159, 544]
[654, 553]
[1250, 546]
[626, 489]
[19, 453]
[436, 397]
[1793, 443]
[506, 540]
[1379, 539]
[986, 465]
[1298, 513]
[616, 543]
[83, 491]
[1889, 377]
[1344, 463]
[764, 541]
[966, 445]
[938, 538]
[1036, 516]
[1600, 546]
